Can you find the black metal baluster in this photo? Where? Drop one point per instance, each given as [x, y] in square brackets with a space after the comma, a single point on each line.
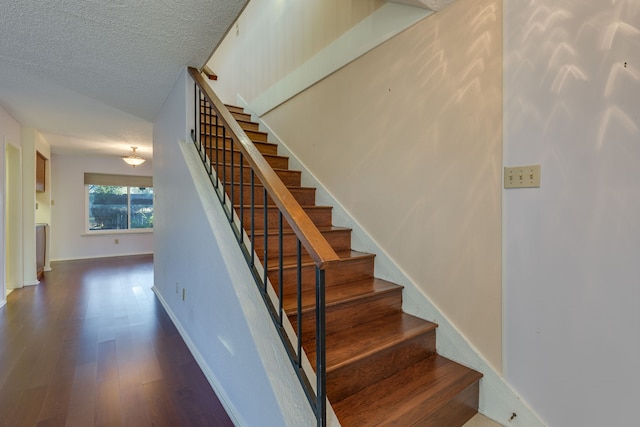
[203, 129]
[224, 162]
[280, 269]
[211, 155]
[266, 235]
[321, 392]
[241, 237]
[208, 144]
[299, 295]
[196, 114]
[233, 166]
[253, 220]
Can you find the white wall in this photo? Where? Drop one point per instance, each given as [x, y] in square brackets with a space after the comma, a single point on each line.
[272, 38]
[68, 210]
[223, 318]
[571, 248]
[9, 127]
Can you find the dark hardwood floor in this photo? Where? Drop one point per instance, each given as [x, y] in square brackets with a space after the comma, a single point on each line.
[91, 345]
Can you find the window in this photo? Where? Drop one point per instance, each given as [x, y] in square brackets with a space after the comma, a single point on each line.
[118, 202]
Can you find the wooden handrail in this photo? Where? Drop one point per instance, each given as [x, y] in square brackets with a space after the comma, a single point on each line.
[210, 74]
[313, 241]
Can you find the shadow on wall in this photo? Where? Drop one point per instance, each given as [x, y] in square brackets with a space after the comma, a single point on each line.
[571, 248]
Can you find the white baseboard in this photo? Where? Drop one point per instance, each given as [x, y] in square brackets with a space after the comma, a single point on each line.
[498, 401]
[208, 373]
[32, 283]
[101, 256]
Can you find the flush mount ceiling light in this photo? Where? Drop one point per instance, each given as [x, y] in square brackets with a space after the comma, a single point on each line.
[133, 158]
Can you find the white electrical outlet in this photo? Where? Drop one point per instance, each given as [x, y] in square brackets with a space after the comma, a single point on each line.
[522, 176]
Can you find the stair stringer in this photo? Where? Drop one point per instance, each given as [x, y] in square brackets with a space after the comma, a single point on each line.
[498, 400]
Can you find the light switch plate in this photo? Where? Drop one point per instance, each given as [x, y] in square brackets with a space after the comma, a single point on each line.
[522, 176]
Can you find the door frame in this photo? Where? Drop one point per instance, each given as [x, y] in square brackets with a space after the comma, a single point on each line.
[11, 214]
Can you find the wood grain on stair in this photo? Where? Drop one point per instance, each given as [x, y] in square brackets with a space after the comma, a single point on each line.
[338, 237]
[385, 345]
[319, 215]
[443, 387]
[353, 266]
[305, 196]
[344, 305]
[228, 143]
[287, 176]
[222, 155]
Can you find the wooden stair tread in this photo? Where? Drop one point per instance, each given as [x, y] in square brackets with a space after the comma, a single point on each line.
[228, 165]
[247, 120]
[405, 398]
[291, 261]
[275, 207]
[329, 229]
[289, 187]
[213, 135]
[349, 345]
[247, 131]
[231, 107]
[340, 294]
[237, 152]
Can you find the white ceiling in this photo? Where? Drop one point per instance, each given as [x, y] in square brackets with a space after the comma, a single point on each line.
[91, 75]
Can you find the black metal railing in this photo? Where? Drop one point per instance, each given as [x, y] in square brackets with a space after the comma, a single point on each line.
[230, 159]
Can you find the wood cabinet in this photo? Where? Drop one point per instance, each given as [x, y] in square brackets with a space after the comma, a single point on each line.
[41, 247]
[41, 172]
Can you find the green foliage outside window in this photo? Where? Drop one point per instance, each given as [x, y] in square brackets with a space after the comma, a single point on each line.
[120, 207]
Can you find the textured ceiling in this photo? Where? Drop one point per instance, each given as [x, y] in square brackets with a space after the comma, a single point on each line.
[91, 75]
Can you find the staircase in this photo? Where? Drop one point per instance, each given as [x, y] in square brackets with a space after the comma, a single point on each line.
[381, 363]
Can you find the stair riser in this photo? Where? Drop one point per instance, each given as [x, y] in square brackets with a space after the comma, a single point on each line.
[288, 177]
[304, 196]
[457, 411]
[356, 376]
[320, 216]
[241, 116]
[237, 114]
[246, 125]
[211, 129]
[225, 156]
[348, 270]
[225, 143]
[235, 109]
[351, 313]
[339, 241]
[255, 136]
